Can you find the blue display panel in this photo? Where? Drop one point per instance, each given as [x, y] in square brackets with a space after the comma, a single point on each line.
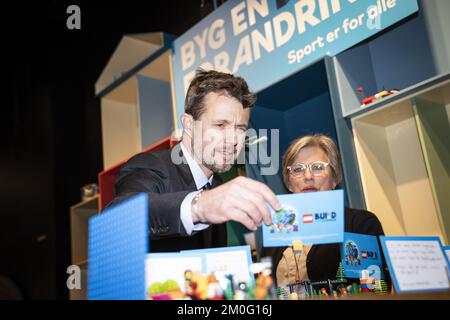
[118, 244]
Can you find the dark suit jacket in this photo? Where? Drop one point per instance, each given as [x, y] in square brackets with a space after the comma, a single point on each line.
[323, 260]
[167, 185]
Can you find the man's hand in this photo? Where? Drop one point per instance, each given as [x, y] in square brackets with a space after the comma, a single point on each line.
[242, 199]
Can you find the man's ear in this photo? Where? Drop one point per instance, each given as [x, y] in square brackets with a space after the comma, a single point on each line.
[188, 123]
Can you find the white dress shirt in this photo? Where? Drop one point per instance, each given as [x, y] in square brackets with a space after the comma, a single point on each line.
[200, 180]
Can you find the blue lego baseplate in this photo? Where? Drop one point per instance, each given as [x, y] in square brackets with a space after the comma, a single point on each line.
[118, 244]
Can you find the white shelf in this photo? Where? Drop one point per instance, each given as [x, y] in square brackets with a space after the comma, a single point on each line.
[403, 175]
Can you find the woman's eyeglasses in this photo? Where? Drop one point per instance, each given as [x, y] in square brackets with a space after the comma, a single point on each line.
[317, 168]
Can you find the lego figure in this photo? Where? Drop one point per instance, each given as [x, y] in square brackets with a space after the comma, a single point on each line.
[263, 279]
[263, 285]
[215, 292]
[343, 291]
[366, 282]
[188, 285]
[196, 285]
[201, 289]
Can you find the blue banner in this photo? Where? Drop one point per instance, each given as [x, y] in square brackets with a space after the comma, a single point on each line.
[313, 218]
[265, 41]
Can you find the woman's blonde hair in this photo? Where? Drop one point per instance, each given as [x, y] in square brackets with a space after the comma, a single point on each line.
[325, 143]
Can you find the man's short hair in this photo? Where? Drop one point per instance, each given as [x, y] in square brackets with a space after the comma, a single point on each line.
[206, 82]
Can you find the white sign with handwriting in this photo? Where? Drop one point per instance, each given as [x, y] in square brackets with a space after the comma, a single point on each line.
[416, 265]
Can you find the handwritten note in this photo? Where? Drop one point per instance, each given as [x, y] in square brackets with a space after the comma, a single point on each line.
[225, 261]
[231, 262]
[417, 265]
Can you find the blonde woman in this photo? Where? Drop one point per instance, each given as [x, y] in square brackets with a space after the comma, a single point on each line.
[310, 164]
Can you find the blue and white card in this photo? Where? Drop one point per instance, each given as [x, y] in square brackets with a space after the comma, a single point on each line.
[236, 261]
[361, 252]
[226, 260]
[313, 218]
[416, 264]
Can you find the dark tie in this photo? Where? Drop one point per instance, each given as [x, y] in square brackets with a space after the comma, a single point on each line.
[207, 186]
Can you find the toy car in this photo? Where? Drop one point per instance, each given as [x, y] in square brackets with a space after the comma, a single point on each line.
[382, 94]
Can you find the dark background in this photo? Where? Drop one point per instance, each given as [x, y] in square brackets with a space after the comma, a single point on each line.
[50, 122]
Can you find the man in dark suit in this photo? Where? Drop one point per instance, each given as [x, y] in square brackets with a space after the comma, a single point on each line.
[188, 204]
